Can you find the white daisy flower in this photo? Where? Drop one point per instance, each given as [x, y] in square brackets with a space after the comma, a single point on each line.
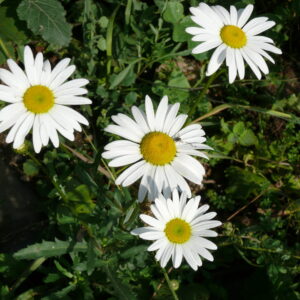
[236, 39]
[179, 229]
[38, 100]
[159, 149]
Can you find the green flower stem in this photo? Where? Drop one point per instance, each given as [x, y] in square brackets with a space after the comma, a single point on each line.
[170, 284]
[56, 185]
[2, 45]
[204, 91]
[35, 265]
[109, 38]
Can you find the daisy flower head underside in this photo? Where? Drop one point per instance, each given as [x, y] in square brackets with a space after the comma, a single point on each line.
[158, 148]
[179, 229]
[39, 97]
[236, 40]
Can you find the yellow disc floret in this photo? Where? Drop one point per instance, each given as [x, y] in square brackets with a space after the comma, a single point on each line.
[158, 148]
[233, 36]
[38, 99]
[178, 231]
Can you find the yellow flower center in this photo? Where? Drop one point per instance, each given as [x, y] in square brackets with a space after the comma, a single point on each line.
[158, 148]
[233, 36]
[38, 99]
[178, 231]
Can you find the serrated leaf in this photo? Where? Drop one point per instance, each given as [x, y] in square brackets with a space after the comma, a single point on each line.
[49, 249]
[47, 18]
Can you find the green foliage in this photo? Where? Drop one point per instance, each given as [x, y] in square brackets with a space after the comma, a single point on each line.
[49, 249]
[79, 244]
[47, 18]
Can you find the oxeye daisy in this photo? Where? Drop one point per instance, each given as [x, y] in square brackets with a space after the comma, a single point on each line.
[237, 40]
[159, 149]
[39, 98]
[179, 229]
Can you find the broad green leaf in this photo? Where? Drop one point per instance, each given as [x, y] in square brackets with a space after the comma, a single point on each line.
[47, 18]
[49, 249]
[173, 12]
[11, 29]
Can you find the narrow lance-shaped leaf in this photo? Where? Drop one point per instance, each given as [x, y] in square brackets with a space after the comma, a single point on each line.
[49, 249]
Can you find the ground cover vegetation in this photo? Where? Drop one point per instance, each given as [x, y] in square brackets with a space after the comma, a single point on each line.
[77, 242]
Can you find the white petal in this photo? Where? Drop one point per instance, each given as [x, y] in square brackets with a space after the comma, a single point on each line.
[161, 113]
[150, 113]
[23, 130]
[239, 63]
[123, 133]
[125, 160]
[230, 62]
[233, 15]
[245, 15]
[70, 92]
[251, 64]
[145, 182]
[38, 67]
[159, 244]
[140, 118]
[170, 117]
[37, 143]
[62, 77]
[152, 221]
[17, 71]
[72, 84]
[178, 255]
[260, 28]
[216, 59]
[136, 175]
[128, 124]
[257, 59]
[71, 113]
[254, 22]
[60, 67]
[177, 125]
[206, 46]
[12, 118]
[189, 168]
[72, 100]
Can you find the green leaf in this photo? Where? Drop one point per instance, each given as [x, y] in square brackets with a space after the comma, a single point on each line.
[30, 168]
[49, 249]
[62, 294]
[248, 138]
[47, 18]
[79, 200]
[173, 12]
[179, 33]
[11, 29]
[91, 258]
[117, 79]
